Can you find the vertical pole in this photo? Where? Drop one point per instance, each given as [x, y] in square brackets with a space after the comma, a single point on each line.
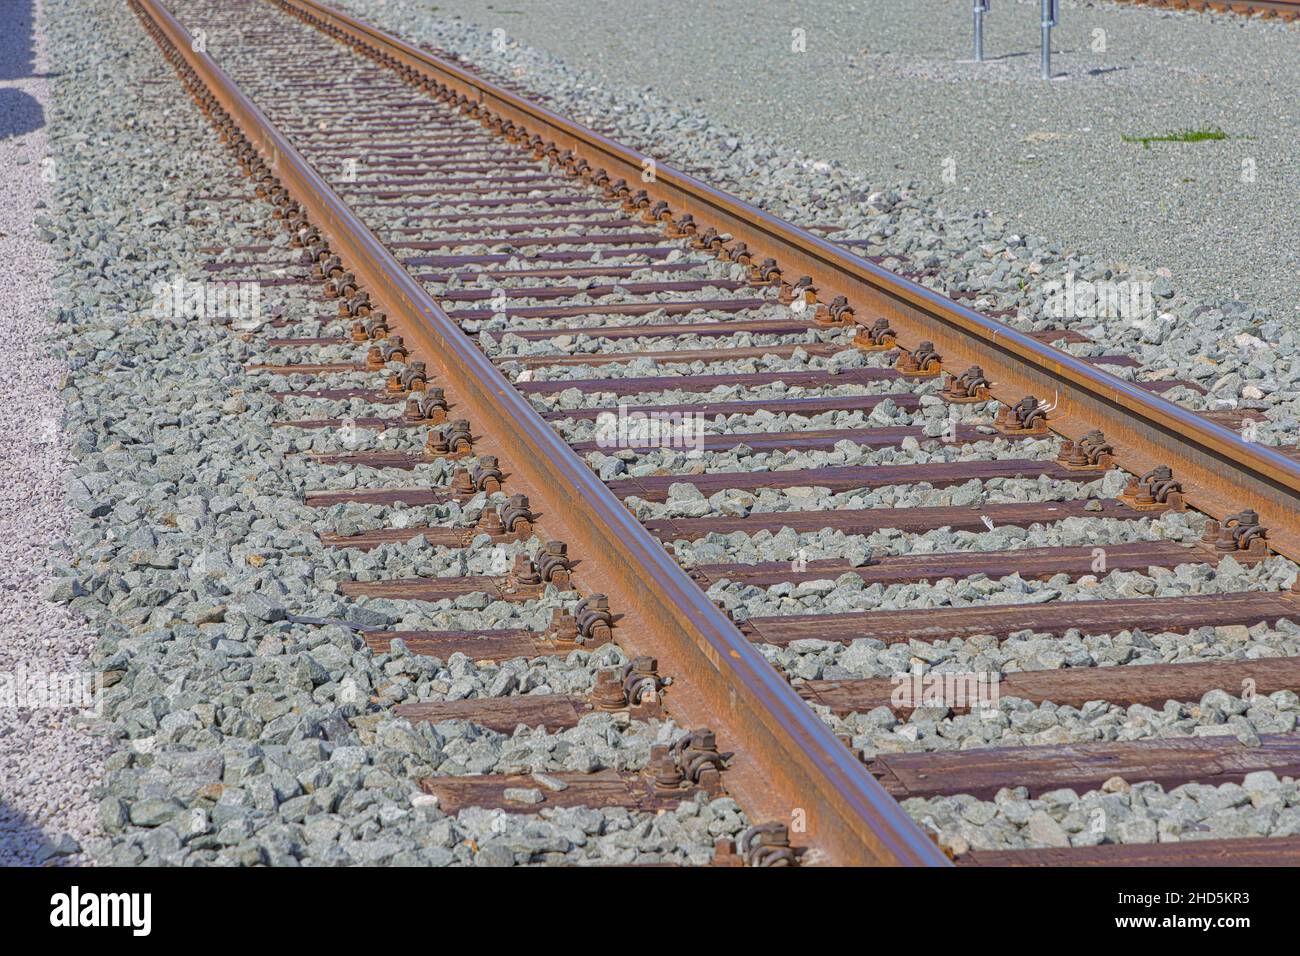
[979, 30]
[1050, 18]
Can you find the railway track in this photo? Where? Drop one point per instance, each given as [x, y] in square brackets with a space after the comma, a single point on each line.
[1267, 9]
[792, 486]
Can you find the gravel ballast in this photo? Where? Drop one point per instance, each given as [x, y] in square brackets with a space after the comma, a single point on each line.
[1262, 805]
[46, 763]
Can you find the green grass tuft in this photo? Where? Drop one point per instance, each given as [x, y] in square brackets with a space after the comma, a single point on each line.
[1182, 136]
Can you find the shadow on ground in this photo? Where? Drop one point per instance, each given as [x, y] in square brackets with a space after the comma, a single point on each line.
[20, 113]
[17, 39]
[23, 843]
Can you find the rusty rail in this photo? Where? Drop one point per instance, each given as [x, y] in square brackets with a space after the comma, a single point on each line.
[790, 761]
[1221, 474]
[1284, 9]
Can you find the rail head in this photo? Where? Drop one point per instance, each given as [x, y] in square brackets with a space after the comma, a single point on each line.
[794, 762]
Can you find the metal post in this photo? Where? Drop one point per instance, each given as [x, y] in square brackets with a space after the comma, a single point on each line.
[981, 8]
[1051, 18]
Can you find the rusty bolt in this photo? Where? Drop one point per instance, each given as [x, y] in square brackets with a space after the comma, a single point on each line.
[427, 406]
[767, 844]
[563, 628]
[1239, 532]
[487, 476]
[489, 522]
[607, 693]
[641, 681]
[516, 516]
[594, 619]
[461, 481]
[970, 386]
[457, 436]
[524, 572]
[801, 288]
[835, 312]
[662, 768]
[922, 360]
[1027, 415]
[553, 564]
[1157, 487]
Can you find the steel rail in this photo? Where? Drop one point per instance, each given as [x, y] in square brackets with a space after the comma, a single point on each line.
[1285, 9]
[789, 760]
[1220, 472]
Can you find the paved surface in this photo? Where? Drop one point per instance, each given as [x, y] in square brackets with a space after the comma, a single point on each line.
[882, 88]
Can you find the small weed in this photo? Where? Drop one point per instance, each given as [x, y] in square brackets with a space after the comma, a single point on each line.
[1182, 136]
